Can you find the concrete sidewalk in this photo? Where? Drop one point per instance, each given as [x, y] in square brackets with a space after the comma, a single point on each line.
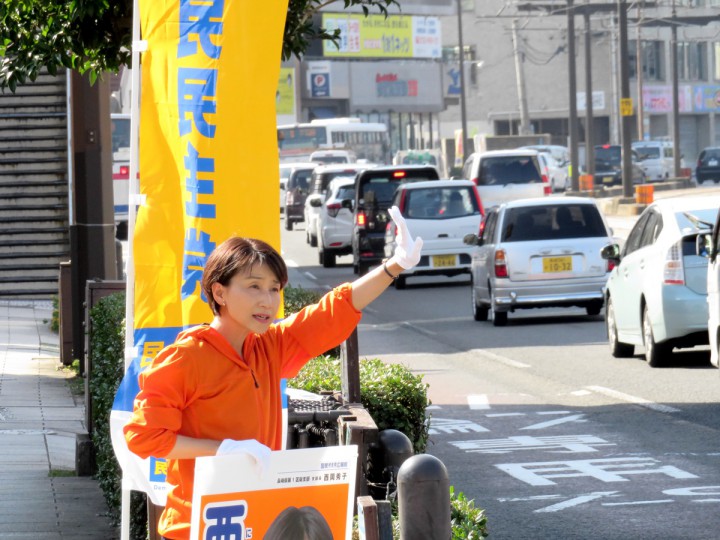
[39, 419]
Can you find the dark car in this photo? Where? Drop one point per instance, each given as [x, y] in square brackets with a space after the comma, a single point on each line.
[298, 184]
[374, 190]
[708, 165]
[608, 166]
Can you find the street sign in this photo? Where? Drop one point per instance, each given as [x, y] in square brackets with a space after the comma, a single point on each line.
[626, 107]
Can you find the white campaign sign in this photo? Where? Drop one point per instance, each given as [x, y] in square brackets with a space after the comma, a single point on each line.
[232, 496]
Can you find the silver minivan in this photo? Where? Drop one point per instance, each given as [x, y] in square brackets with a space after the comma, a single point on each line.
[506, 175]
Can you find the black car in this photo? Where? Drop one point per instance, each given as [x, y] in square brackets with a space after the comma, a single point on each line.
[374, 190]
[608, 166]
[708, 165]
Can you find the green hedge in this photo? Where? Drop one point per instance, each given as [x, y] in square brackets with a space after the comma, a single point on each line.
[107, 345]
[394, 397]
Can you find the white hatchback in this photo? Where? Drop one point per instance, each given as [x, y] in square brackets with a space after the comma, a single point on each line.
[441, 212]
[335, 221]
[506, 175]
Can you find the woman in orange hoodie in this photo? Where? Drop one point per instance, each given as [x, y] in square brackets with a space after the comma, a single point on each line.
[216, 390]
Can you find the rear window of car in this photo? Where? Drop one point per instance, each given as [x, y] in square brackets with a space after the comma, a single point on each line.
[321, 180]
[503, 170]
[379, 186]
[300, 179]
[611, 154]
[439, 203]
[710, 153]
[552, 222]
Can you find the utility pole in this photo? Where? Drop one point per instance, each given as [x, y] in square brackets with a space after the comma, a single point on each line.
[463, 109]
[639, 75]
[589, 122]
[524, 128]
[625, 101]
[675, 93]
[572, 101]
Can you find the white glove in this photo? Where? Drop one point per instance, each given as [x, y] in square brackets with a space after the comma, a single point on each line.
[407, 250]
[258, 451]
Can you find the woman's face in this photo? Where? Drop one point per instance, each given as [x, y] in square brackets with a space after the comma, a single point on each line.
[251, 300]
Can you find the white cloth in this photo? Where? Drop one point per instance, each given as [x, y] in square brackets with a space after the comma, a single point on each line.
[251, 447]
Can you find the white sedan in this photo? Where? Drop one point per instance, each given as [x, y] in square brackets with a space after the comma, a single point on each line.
[657, 293]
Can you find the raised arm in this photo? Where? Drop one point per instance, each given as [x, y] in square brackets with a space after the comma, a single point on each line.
[407, 254]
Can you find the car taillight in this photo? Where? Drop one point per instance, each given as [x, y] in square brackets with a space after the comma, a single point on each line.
[333, 209]
[361, 219]
[124, 171]
[289, 198]
[475, 180]
[673, 271]
[547, 189]
[500, 264]
[610, 266]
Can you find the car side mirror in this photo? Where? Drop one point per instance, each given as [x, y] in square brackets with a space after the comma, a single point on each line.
[703, 245]
[611, 252]
[472, 240]
[315, 202]
[347, 203]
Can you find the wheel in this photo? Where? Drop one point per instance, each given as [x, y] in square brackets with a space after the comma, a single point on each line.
[593, 309]
[656, 354]
[480, 312]
[288, 224]
[617, 349]
[328, 259]
[400, 282]
[499, 318]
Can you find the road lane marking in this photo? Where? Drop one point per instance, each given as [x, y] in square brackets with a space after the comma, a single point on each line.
[557, 421]
[633, 399]
[478, 401]
[498, 358]
[576, 501]
[635, 503]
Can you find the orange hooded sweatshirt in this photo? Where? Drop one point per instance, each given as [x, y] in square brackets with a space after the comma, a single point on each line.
[200, 387]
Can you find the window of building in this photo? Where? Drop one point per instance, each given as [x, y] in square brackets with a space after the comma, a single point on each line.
[653, 66]
[692, 60]
[451, 55]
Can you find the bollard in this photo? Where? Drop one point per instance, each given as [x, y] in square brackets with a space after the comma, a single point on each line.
[586, 182]
[424, 499]
[386, 458]
[644, 193]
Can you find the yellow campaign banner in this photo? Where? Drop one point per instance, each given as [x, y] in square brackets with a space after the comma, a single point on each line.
[208, 149]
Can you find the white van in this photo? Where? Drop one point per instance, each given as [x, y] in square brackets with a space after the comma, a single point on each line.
[333, 156]
[506, 175]
[656, 159]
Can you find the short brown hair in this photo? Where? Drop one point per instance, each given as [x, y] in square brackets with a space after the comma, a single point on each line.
[235, 255]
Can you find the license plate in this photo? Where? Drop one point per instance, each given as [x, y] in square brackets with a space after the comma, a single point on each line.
[553, 265]
[608, 179]
[440, 261]
[713, 163]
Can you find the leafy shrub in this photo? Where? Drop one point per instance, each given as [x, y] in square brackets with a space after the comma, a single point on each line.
[467, 521]
[296, 298]
[107, 346]
[394, 397]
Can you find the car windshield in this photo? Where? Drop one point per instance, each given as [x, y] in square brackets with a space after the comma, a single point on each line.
[552, 222]
[503, 170]
[648, 152]
[439, 203]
